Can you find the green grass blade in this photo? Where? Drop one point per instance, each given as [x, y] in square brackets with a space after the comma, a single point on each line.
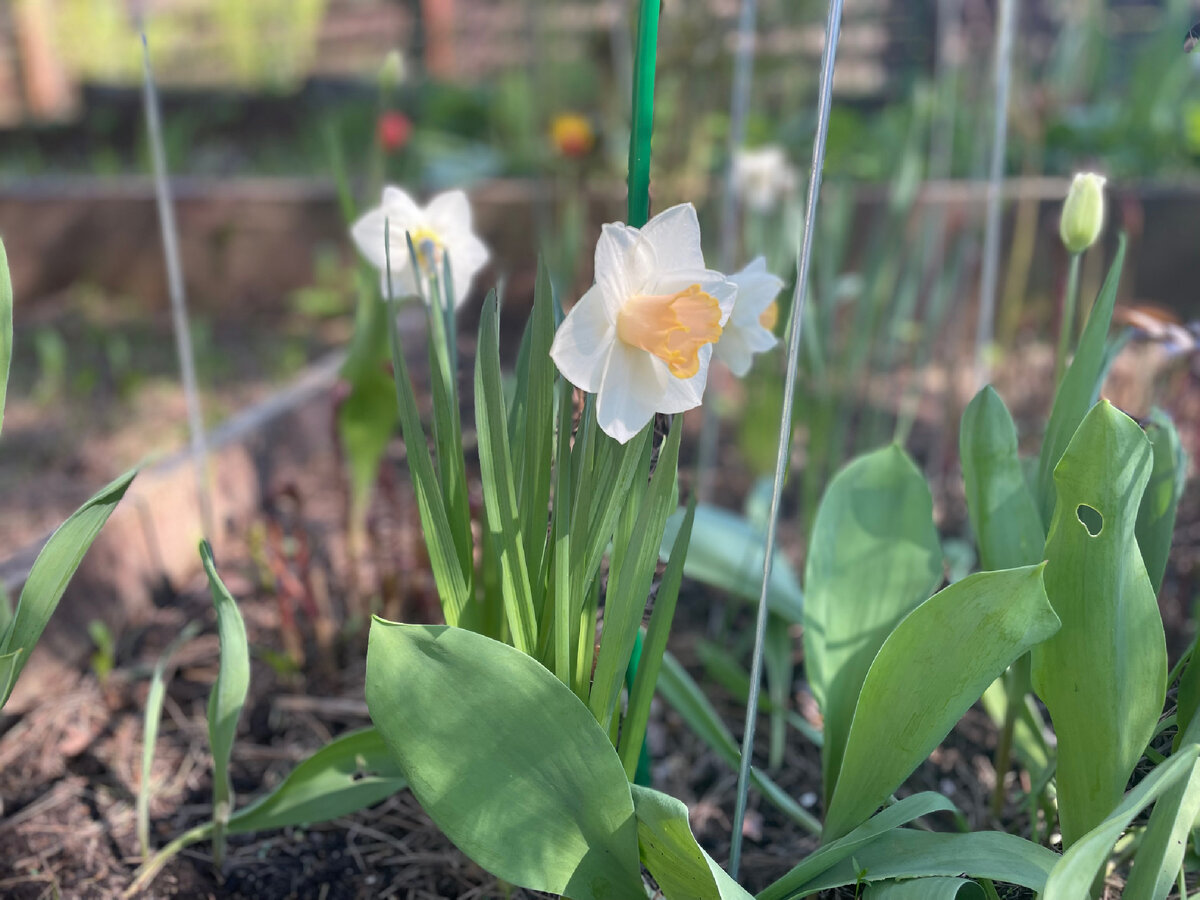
[52, 571]
[537, 449]
[1077, 392]
[150, 723]
[499, 489]
[1004, 516]
[625, 601]
[1156, 514]
[682, 693]
[6, 331]
[227, 698]
[565, 608]
[633, 731]
[1103, 676]
[874, 556]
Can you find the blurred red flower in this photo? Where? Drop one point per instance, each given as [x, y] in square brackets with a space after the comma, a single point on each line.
[393, 131]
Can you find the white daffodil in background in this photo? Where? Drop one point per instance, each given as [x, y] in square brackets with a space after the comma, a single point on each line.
[763, 177]
[442, 228]
[641, 337]
[751, 328]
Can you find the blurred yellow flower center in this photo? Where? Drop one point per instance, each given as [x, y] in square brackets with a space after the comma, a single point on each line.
[572, 134]
[770, 316]
[428, 244]
[672, 326]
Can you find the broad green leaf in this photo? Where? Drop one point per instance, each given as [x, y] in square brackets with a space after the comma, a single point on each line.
[227, 698]
[51, 572]
[630, 580]
[366, 421]
[1072, 877]
[945, 652]
[351, 772]
[1156, 514]
[939, 888]
[899, 813]
[678, 688]
[873, 557]
[1077, 391]
[907, 853]
[499, 488]
[669, 851]
[505, 759]
[727, 553]
[6, 308]
[1103, 676]
[1004, 516]
[1161, 852]
[633, 729]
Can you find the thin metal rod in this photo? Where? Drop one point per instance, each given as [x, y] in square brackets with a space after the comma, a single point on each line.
[179, 318]
[833, 30]
[991, 247]
[739, 105]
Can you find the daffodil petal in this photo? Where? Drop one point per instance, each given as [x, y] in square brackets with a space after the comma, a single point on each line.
[734, 352]
[675, 236]
[449, 212]
[626, 400]
[584, 341]
[616, 253]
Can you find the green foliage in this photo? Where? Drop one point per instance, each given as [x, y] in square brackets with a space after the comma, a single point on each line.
[1103, 676]
[49, 576]
[1160, 502]
[6, 328]
[873, 557]
[937, 888]
[945, 652]
[505, 759]
[227, 697]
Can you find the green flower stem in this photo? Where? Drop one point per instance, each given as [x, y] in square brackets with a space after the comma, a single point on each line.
[643, 114]
[1068, 318]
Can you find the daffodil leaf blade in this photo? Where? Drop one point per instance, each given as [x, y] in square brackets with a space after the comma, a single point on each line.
[52, 571]
[1077, 391]
[1076, 870]
[536, 448]
[499, 487]
[1103, 675]
[873, 557]
[366, 421]
[1161, 852]
[1160, 502]
[668, 849]
[629, 586]
[511, 799]
[1004, 516]
[945, 652]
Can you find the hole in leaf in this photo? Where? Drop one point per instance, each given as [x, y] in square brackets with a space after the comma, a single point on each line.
[1090, 519]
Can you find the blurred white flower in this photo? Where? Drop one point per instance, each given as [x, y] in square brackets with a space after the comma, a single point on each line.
[642, 336]
[762, 177]
[751, 327]
[442, 228]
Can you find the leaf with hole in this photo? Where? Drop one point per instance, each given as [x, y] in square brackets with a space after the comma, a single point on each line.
[1103, 675]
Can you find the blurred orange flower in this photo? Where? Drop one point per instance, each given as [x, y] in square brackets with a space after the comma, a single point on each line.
[572, 135]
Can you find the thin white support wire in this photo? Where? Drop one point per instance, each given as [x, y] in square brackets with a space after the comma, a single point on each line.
[179, 318]
[991, 247]
[833, 28]
[739, 105]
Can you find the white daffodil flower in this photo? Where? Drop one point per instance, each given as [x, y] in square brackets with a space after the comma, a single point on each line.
[763, 177]
[642, 336]
[751, 328]
[443, 227]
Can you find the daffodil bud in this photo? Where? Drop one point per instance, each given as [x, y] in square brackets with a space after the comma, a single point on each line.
[1083, 212]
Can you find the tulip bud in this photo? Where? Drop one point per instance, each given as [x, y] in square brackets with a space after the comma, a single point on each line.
[391, 73]
[1083, 212]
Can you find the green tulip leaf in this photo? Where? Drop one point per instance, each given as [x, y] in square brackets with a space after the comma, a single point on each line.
[1103, 675]
[1156, 514]
[939, 888]
[873, 557]
[505, 759]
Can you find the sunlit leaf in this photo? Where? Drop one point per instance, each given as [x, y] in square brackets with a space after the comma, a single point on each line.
[505, 759]
[874, 555]
[939, 888]
[1161, 851]
[1103, 675]
[944, 653]
[51, 572]
[1156, 514]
